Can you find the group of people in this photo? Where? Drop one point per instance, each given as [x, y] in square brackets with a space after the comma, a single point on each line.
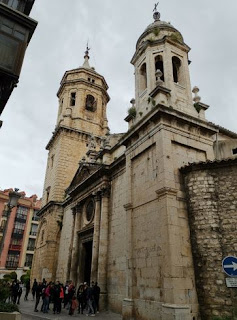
[84, 299]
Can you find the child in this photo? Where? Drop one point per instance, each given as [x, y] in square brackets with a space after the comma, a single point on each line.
[74, 305]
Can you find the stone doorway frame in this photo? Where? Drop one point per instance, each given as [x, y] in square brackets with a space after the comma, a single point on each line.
[83, 237]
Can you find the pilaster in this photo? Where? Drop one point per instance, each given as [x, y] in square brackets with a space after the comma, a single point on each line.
[96, 237]
[103, 248]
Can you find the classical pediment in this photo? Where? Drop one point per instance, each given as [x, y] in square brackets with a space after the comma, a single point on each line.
[84, 171]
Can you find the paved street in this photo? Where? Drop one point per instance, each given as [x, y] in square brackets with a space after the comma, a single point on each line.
[27, 310]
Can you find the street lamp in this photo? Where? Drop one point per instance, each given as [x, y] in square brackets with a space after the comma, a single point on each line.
[14, 196]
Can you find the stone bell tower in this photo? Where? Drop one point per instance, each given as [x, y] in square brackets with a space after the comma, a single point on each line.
[81, 117]
[162, 69]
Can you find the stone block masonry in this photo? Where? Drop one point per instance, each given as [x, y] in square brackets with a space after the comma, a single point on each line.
[212, 202]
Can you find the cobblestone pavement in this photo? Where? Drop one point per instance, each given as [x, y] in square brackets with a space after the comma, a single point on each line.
[27, 311]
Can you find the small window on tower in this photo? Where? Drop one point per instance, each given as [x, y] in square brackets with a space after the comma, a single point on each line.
[52, 160]
[93, 80]
[90, 103]
[176, 62]
[234, 151]
[73, 99]
[143, 78]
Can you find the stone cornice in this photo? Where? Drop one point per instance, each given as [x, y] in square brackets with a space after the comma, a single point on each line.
[49, 205]
[64, 128]
[166, 191]
[149, 43]
[160, 110]
[81, 80]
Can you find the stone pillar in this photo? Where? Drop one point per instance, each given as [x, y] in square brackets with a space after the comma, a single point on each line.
[103, 248]
[96, 238]
[128, 305]
[75, 244]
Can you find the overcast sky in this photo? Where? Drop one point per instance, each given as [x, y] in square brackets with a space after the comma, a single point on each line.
[112, 28]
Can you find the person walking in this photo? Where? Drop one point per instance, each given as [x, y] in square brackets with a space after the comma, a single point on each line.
[56, 296]
[90, 301]
[38, 294]
[46, 299]
[14, 290]
[65, 300]
[27, 290]
[81, 298]
[96, 294]
[34, 286]
[19, 292]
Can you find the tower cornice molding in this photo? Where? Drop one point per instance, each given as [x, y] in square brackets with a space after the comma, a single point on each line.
[153, 43]
[85, 82]
[61, 128]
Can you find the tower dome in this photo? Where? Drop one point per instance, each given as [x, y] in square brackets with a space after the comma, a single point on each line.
[157, 31]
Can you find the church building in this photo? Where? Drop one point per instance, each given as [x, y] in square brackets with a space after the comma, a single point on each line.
[141, 212]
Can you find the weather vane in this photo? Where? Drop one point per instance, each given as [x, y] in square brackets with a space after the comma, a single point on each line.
[87, 50]
[156, 5]
[156, 14]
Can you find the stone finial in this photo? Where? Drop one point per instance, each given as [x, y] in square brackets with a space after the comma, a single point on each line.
[159, 74]
[196, 97]
[133, 102]
[156, 14]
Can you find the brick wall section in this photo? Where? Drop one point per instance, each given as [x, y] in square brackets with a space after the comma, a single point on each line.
[212, 201]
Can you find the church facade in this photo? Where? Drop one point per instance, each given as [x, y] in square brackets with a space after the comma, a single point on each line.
[117, 208]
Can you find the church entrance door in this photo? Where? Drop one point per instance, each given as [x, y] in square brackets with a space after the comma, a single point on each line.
[87, 247]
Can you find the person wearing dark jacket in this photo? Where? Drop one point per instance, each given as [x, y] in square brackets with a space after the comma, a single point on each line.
[90, 300]
[14, 289]
[56, 295]
[96, 293]
[38, 294]
[27, 289]
[34, 286]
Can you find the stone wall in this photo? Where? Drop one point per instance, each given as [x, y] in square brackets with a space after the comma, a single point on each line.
[212, 201]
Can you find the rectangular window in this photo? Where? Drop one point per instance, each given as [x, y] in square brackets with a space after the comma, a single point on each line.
[21, 213]
[35, 217]
[12, 3]
[234, 151]
[28, 262]
[33, 230]
[73, 99]
[31, 245]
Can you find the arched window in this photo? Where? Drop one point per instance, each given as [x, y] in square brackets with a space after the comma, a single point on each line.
[42, 236]
[143, 78]
[91, 103]
[176, 62]
[159, 66]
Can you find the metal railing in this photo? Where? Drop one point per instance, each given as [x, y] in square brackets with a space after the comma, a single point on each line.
[12, 264]
[31, 248]
[15, 247]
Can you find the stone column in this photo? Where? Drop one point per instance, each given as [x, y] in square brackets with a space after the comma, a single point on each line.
[74, 247]
[103, 248]
[96, 238]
